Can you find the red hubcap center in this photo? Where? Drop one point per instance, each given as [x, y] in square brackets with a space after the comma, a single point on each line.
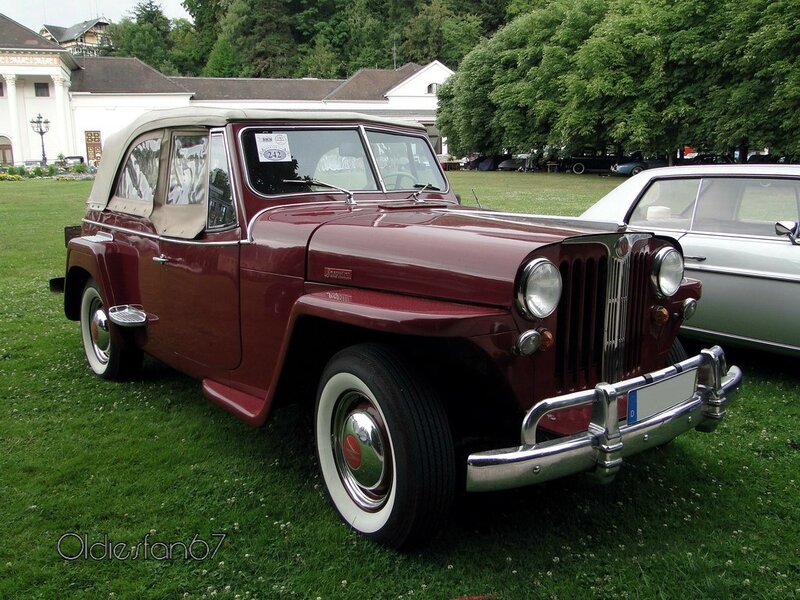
[352, 451]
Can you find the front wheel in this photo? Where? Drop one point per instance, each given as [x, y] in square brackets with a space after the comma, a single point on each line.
[109, 355]
[384, 446]
[578, 168]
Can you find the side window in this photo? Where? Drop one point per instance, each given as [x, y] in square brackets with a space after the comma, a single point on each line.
[187, 171]
[667, 204]
[137, 180]
[221, 212]
[765, 202]
[181, 211]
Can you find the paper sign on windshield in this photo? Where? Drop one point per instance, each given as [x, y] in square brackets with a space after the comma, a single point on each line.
[273, 147]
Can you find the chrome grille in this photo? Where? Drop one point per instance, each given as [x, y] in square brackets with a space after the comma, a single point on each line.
[600, 316]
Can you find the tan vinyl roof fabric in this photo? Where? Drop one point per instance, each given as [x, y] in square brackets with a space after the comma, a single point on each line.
[202, 116]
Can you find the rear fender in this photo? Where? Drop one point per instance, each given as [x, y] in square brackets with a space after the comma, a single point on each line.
[87, 259]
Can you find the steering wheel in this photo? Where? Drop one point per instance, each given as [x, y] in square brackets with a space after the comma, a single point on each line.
[398, 177]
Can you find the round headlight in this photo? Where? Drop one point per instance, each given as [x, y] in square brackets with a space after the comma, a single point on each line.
[539, 288]
[667, 271]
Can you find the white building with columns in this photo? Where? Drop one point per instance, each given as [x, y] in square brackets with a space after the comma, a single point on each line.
[86, 99]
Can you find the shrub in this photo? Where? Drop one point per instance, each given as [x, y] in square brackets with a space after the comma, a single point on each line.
[10, 176]
[51, 170]
[80, 168]
[36, 172]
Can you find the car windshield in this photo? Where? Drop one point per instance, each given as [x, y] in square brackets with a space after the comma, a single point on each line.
[285, 161]
[405, 162]
[277, 159]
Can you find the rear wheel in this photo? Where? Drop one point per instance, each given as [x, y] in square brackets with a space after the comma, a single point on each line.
[108, 353]
[636, 170]
[384, 446]
[578, 168]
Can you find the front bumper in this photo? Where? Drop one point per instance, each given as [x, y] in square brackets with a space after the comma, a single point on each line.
[601, 448]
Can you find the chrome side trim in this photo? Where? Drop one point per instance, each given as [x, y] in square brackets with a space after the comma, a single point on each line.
[738, 339]
[161, 238]
[744, 273]
[601, 448]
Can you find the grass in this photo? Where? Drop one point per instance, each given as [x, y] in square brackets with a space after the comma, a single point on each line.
[708, 516]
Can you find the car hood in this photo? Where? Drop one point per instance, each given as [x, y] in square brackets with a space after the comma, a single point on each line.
[438, 251]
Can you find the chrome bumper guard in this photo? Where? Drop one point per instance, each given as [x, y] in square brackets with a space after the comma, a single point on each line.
[601, 448]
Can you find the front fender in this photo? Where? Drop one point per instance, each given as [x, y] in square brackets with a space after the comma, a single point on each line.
[402, 315]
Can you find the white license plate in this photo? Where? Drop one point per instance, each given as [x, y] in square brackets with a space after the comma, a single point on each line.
[652, 399]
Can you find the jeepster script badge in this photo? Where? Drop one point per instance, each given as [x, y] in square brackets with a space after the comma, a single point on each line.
[341, 274]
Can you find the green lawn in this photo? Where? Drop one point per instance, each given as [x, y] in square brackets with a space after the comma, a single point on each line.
[709, 516]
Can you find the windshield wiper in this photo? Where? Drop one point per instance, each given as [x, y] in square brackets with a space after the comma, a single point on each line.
[310, 181]
[428, 187]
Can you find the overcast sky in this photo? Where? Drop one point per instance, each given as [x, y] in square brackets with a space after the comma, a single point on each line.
[64, 13]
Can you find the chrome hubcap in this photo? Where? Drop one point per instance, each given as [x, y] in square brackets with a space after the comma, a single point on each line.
[98, 327]
[361, 450]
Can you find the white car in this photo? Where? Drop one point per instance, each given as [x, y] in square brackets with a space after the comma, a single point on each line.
[739, 228]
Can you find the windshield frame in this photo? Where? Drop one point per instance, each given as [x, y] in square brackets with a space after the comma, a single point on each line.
[372, 164]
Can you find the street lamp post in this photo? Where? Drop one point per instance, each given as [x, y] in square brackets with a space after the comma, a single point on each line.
[41, 126]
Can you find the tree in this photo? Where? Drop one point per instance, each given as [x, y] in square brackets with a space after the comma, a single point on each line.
[322, 60]
[436, 33]
[148, 35]
[223, 60]
[185, 50]
[259, 34]
[142, 40]
[207, 16]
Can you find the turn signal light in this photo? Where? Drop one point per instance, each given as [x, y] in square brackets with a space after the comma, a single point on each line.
[547, 339]
[660, 315]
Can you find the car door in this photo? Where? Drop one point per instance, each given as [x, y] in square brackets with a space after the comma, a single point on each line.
[750, 275]
[193, 296]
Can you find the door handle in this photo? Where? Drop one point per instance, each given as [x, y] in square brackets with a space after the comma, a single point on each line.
[162, 259]
[697, 258]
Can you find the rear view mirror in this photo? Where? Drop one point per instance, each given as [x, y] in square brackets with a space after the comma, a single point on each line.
[789, 229]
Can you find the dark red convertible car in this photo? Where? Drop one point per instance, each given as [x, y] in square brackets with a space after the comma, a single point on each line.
[442, 348]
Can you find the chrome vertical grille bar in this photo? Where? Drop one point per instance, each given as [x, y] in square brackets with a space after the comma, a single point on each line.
[599, 330]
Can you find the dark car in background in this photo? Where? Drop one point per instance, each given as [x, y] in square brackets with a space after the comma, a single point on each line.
[637, 166]
[592, 160]
[634, 167]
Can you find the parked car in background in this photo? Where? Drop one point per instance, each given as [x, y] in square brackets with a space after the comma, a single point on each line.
[706, 159]
[637, 166]
[591, 160]
[440, 348]
[738, 225]
[778, 159]
[518, 162]
[588, 160]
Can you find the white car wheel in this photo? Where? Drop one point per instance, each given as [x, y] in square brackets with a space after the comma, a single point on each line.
[384, 446]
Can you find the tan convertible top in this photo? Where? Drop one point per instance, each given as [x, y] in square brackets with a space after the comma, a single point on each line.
[204, 116]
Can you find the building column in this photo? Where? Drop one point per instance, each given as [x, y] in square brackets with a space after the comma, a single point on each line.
[16, 139]
[63, 122]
